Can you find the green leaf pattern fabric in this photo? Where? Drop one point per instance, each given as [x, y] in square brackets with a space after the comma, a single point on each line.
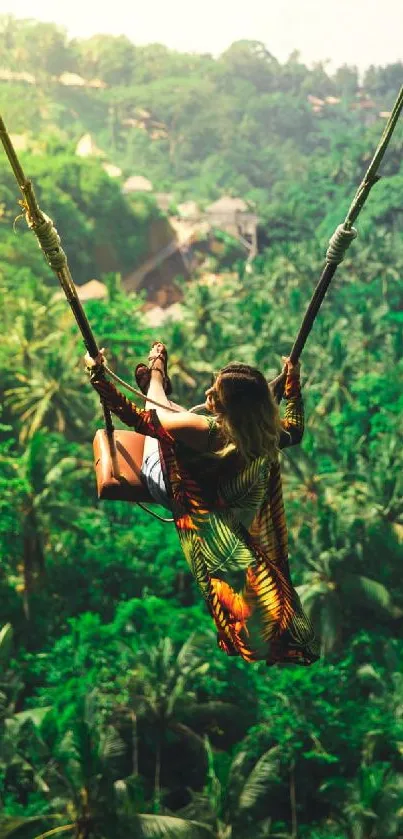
[233, 533]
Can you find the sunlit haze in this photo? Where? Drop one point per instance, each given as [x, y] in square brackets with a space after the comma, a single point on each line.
[361, 33]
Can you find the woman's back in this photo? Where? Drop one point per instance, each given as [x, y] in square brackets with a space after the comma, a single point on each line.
[228, 509]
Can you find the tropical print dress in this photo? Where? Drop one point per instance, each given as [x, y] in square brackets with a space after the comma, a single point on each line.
[231, 526]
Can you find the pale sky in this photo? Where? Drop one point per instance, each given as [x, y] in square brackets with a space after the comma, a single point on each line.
[360, 32]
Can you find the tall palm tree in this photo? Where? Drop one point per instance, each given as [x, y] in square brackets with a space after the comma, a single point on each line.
[42, 381]
[37, 481]
[51, 395]
[330, 589]
[10, 682]
[161, 689]
[374, 803]
[232, 808]
[379, 479]
[88, 799]
[32, 328]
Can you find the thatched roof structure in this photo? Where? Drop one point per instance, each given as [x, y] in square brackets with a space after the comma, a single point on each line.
[86, 147]
[112, 170]
[72, 80]
[93, 290]
[137, 183]
[164, 200]
[227, 205]
[189, 210]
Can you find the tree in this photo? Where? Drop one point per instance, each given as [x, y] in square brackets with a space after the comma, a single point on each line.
[330, 589]
[161, 688]
[110, 58]
[41, 48]
[81, 779]
[232, 807]
[50, 397]
[251, 61]
[374, 803]
[116, 585]
[37, 482]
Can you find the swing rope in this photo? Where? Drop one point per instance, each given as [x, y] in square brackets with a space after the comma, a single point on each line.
[340, 242]
[50, 244]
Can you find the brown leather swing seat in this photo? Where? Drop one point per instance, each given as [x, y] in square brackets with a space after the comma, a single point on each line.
[123, 483]
[119, 478]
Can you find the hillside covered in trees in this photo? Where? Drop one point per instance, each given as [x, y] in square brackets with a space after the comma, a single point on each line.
[118, 715]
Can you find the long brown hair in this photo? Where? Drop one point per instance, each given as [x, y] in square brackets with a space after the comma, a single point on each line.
[247, 413]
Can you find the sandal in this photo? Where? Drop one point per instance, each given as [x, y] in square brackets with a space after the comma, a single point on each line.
[143, 373]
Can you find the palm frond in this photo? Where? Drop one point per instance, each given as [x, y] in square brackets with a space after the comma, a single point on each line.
[16, 827]
[112, 747]
[264, 774]
[329, 623]
[310, 593]
[64, 466]
[6, 639]
[36, 715]
[169, 827]
[236, 776]
[188, 654]
[367, 591]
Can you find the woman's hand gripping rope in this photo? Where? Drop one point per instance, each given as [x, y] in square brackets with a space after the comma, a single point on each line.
[92, 363]
[289, 367]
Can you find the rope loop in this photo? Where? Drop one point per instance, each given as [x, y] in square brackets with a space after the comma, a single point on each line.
[339, 243]
[50, 242]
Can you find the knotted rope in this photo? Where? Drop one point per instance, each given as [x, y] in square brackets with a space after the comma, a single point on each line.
[49, 241]
[339, 244]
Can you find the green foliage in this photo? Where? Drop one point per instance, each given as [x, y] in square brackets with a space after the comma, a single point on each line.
[118, 716]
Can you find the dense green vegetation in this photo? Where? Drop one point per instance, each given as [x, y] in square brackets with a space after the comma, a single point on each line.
[118, 715]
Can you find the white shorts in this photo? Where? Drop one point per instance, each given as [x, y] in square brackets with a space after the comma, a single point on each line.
[151, 472]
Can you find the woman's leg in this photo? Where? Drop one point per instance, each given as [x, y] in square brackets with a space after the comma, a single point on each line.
[155, 391]
[151, 465]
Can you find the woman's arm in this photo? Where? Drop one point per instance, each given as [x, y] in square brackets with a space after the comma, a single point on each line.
[292, 425]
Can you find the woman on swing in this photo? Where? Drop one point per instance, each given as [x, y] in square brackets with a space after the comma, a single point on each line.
[219, 474]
